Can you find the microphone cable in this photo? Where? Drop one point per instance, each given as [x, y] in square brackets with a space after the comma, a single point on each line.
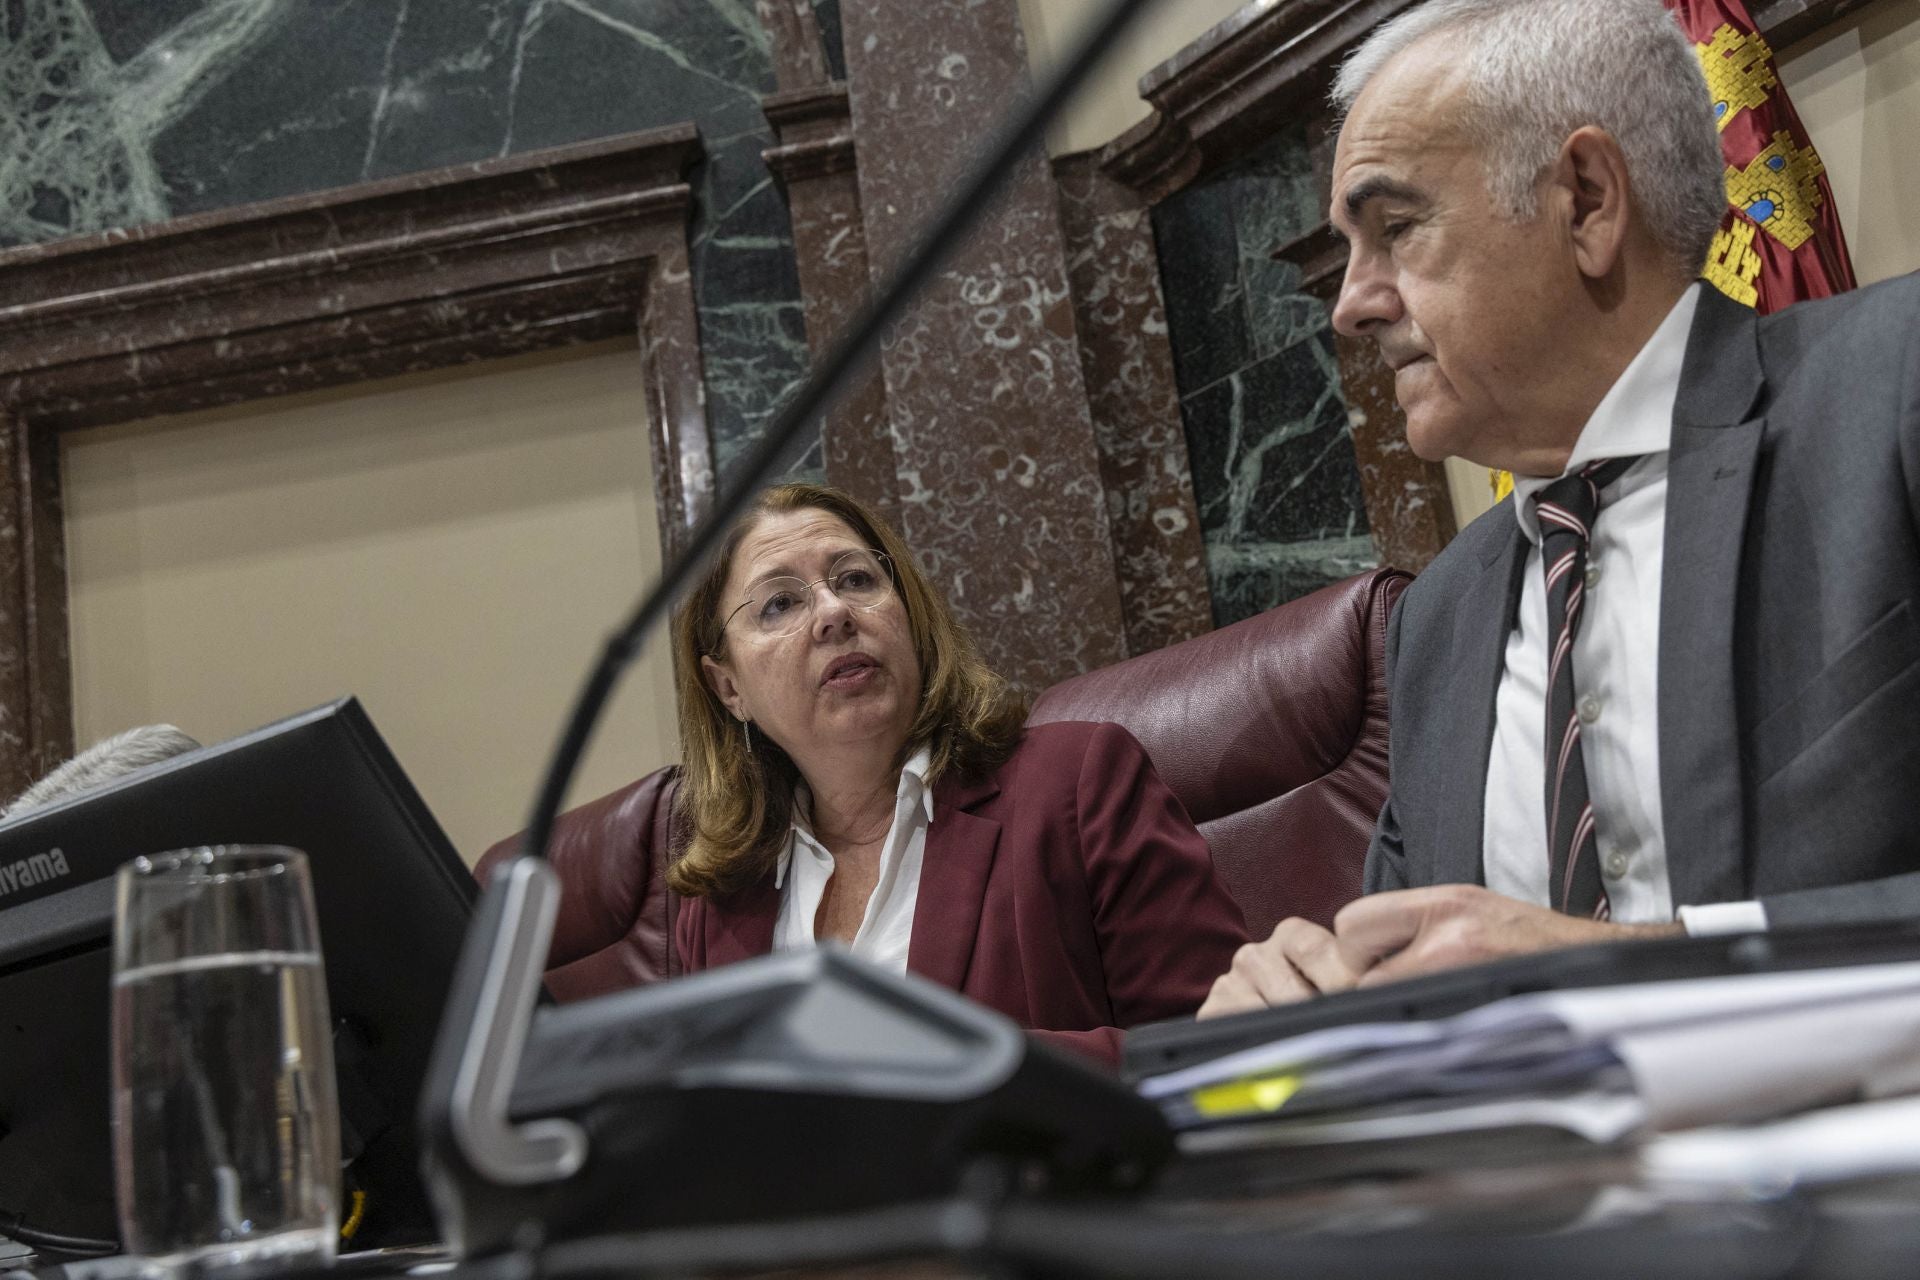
[13, 1227]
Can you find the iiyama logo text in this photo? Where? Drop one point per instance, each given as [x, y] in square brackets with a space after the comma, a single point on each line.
[38, 869]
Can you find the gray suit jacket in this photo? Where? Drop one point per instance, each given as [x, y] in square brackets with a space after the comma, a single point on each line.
[1789, 682]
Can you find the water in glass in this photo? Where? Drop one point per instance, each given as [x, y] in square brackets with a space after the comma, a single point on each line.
[224, 1110]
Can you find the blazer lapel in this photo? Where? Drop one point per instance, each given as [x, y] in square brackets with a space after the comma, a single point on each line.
[741, 927]
[953, 883]
[1710, 480]
[1481, 626]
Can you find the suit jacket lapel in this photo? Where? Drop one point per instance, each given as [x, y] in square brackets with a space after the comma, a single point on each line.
[953, 883]
[1481, 626]
[741, 926]
[1710, 479]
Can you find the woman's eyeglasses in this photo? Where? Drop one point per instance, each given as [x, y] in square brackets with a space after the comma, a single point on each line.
[781, 606]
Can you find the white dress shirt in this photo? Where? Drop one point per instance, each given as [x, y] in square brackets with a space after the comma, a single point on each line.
[805, 866]
[1616, 658]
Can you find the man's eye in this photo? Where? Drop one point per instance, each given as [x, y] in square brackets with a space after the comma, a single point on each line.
[1394, 230]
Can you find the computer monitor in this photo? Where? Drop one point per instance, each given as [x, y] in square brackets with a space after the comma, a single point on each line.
[393, 901]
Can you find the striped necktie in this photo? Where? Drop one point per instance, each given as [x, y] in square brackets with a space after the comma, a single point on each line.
[1566, 510]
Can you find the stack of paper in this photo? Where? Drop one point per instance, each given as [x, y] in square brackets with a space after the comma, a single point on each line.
[1603, 1064]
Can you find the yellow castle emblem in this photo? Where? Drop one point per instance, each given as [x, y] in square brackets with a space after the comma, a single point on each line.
[1732, 264]
[1779, 189]
[1739, 68]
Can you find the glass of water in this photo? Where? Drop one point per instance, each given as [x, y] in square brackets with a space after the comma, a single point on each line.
[226, 1135]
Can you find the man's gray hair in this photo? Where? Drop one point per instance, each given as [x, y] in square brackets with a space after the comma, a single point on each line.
[1539, 69]
[104, 761]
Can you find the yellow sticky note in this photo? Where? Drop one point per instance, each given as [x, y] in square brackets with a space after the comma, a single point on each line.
[1245, 1097]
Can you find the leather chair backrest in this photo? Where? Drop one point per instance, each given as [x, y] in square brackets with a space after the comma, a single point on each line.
[1273, 734]
[615, 926]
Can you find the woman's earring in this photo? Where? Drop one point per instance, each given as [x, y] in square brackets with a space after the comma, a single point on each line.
[748, 726]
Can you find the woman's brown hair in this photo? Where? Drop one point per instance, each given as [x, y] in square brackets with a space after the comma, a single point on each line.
[738, 802]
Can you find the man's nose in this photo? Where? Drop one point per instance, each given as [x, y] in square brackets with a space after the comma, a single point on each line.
[1368, 300]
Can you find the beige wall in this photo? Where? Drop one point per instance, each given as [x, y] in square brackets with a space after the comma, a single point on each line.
[1857, 88]
[1110, 102]
[450, 547]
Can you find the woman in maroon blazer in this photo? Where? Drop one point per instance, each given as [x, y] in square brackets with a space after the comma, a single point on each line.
[853, 771]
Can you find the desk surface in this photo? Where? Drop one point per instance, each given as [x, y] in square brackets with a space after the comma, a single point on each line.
[1568, 1218]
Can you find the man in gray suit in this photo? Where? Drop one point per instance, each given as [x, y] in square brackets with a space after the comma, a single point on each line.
[1674, 684]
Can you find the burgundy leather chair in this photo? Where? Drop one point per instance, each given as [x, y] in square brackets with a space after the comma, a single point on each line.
[1273, 733]
[614, 929]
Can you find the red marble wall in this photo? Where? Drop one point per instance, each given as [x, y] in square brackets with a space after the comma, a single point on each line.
[999, 473]
[1128, 364]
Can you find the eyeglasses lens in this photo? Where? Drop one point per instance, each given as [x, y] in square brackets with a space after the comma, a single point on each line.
[781, 606]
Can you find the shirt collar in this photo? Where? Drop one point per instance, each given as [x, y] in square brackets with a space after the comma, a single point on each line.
[1635, 417]
[913, 787]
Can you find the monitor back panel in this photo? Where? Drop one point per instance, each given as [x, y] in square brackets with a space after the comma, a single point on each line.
[392, 897]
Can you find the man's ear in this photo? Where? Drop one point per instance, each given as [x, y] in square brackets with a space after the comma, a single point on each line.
[1591, 175]
[720, 680]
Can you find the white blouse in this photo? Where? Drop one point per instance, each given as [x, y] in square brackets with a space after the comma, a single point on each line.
[805, 867]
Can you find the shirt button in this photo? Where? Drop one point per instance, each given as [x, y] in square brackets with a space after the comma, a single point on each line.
[1593, 576]
[1617, 863]
[1589, 709]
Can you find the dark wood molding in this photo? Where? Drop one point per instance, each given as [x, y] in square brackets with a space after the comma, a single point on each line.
[513, 255]
[799, 52]
[1156, 157]
[525, 253]
[1243, 80]
[36, 687]
[1786, 22]
[815, 131]
[1234, 86]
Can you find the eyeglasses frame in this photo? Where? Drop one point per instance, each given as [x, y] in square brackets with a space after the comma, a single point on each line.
[886, 563]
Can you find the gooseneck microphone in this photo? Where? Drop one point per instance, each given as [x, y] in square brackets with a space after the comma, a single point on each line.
[497, 983]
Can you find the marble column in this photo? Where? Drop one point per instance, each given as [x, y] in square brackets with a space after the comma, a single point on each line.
[36, 680]
[815, 164]
[1128, 363]
[999, 472]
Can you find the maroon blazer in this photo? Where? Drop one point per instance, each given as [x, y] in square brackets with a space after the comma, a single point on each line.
[1068, 890]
